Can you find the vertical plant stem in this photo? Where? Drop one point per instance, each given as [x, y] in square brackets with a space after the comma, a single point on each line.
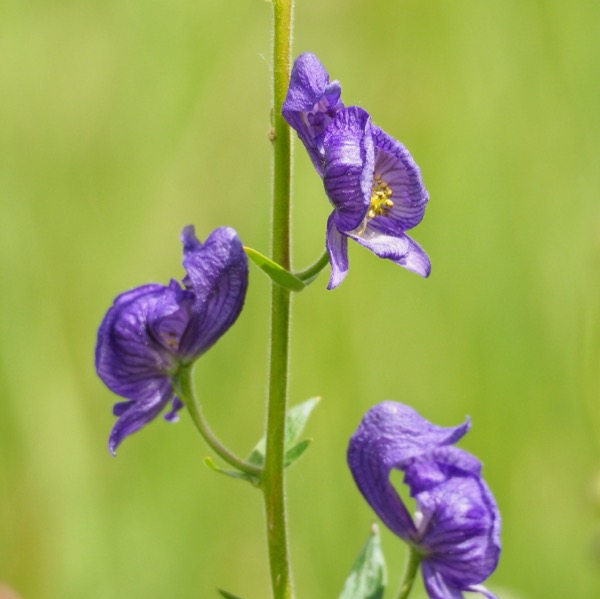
[273, 474]
[414, 559]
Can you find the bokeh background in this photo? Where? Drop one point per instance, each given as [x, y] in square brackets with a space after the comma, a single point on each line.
[123, 121]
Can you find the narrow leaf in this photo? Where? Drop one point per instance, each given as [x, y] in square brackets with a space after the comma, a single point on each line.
[295, 421]
[368, 578]
[292, 454]
[227, 595]
[257, 457]
[232, 473]
[276, 273]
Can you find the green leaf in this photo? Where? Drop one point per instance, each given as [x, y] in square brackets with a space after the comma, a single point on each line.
[292, 454]
[232, 473]
[295, 421]
[227, 595]
[276, 273]
[368, 578]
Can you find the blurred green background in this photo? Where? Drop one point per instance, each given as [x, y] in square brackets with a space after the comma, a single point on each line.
[121, 122]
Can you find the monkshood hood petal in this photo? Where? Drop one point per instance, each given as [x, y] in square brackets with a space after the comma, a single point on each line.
[348, 167]
[311, 103]
[217, 275]
[391, 435]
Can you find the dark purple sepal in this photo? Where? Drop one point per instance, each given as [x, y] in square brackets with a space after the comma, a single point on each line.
[337, 249]
[138, 414]
[436, 466]
[173, 414]
[396, 166]
[460, 530]
[397, 247]
[130, 358]
[217, 274]
[348, 166]
[437, 588]
[310, 104]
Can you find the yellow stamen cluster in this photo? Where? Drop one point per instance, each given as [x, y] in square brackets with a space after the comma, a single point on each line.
[380, 198]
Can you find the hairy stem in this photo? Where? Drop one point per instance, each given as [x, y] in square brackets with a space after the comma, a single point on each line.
[273, 475]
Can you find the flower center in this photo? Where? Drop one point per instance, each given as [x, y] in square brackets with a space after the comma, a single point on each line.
[380, 203]
[170, 340]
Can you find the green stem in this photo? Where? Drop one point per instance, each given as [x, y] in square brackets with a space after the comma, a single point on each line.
[185, 391]
[414, 559]
[308, 274]
[273, 473]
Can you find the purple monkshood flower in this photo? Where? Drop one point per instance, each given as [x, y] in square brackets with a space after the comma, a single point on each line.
[456, 526]
[152, 331]
[371, 179]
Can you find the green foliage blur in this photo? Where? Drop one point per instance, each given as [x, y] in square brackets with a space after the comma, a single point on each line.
[123, 121]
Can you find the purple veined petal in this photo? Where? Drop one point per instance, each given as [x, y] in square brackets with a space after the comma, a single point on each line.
[137, 415]
[398, 248]
[416, 260]
[459, 530]
[169, 318]
[121, 407]
[434, 467]
[390, 436]
[129, 359]
[173, 414]
[373, 482]
[337, 248]
[348, 166]
[390, 247]
[400, 173]
[217, 272]
[436, 586]
[311, 102]
[405, 434]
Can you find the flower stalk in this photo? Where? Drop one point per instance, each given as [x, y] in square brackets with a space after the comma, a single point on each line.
[414, 559]
[273, 473]
[183, 384]
[308, 275]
